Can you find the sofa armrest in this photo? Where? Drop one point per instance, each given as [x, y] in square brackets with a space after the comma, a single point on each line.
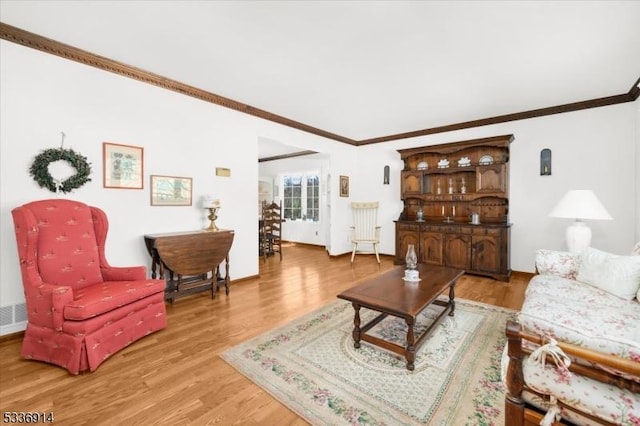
[559, 263]
[132, 273]
[610, 370]
[514, 377]
[46, 304]
[596, 367]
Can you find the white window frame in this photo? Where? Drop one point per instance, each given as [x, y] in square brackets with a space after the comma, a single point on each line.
[304, 208]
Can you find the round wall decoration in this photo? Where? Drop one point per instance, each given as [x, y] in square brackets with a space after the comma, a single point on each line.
[40, 170]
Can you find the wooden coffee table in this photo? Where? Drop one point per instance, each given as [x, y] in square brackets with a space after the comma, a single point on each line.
[389, 294]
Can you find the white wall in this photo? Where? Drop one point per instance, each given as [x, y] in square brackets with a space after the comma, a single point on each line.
[42, 95]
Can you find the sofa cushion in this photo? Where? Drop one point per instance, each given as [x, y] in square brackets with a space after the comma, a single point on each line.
[619, 275]
[559, 263]
[578, 313]
[591, 397]
[108, 295]
[121, 317]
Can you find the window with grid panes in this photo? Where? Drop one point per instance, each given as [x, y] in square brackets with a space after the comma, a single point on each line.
[313, 198]
[297, 206]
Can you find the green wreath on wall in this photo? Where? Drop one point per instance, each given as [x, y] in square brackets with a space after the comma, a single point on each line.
[40, 170]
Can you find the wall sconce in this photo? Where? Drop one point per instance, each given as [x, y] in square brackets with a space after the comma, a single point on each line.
[385, 180]
[545, 162]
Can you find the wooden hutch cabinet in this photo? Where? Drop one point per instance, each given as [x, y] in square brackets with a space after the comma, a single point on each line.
[456, 205]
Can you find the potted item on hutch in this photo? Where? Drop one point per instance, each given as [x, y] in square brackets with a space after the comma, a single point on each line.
[475, 219]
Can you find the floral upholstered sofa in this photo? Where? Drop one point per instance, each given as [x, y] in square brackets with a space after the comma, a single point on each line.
[573, 356]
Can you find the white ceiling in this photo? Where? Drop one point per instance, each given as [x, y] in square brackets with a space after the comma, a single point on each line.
[363, 69]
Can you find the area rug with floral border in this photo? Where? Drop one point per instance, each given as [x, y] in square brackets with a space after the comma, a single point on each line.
[311, 366]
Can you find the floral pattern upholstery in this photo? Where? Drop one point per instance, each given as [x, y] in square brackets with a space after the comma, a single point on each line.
[557, 263]
[583, 315]
[606, 402]
[559, 307]
[80, 309]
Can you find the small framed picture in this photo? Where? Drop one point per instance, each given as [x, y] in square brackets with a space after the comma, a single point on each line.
[344, 186]
[170, 191]
[123, 166]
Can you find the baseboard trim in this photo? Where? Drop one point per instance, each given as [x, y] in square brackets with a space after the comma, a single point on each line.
[247, 278]
[11, 337]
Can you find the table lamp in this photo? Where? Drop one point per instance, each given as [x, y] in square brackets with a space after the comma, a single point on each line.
[579, 204]
[213, 205]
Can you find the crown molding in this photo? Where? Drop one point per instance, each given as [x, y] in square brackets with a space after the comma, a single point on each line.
[34, 41]
[559, 109]
[285, 156]
[634, 92]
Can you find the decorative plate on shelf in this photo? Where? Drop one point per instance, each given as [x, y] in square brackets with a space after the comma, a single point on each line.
[443, 164]
[464, 162]
[485, 160]
[423, 165]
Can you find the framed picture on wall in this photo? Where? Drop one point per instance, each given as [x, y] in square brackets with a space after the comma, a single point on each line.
[344, 186]
[170, 191]
[123, 166]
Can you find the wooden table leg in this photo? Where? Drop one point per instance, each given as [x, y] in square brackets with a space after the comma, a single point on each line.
[226, 275]
[214, 282]
[174, 288]
[451, 298]
[356, 326]
[153, 268]
[410, 352]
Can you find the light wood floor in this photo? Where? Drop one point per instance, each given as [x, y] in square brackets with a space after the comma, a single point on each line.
[175, 376]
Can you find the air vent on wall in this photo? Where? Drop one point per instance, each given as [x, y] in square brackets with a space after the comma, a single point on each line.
[6, 315]
[13, 314]
[20, 312]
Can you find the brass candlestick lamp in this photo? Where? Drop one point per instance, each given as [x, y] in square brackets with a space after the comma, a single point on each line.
[213, 205]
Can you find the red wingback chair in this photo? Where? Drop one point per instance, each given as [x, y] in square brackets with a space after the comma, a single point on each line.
[80, 309]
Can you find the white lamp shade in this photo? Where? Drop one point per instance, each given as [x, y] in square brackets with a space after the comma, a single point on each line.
[210, 203]
[580, 204]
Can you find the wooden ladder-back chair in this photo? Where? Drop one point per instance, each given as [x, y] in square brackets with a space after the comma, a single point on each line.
[271, 230]
[365, 229]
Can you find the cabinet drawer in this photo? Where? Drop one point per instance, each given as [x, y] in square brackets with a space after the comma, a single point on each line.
[480, 230]
[408, 227]
[452, 229]
[493, 231]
